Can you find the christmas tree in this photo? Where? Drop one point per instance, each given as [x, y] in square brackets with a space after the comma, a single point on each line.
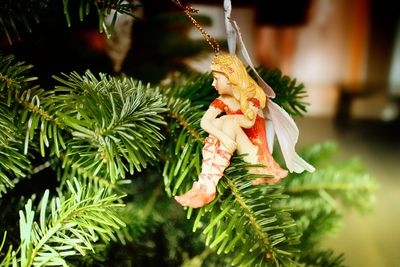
[89, 166]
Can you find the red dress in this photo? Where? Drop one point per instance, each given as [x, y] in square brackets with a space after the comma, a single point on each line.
[257, 136]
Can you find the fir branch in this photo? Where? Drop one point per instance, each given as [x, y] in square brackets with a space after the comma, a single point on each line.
[180, 111]
[289, 94]
[14, 164]
[131, 111]
[15, 79]
[115, 123]
[315, 199]
[65, 168]
[322, 258]
[245, 223]
[196, 88]
[14, 76]
[183, 149]
[315, 224]
[343, 181]
[75, 222]
[109, 8]
[84, 176]
[8, 256]
[38, 112]
[15, 14]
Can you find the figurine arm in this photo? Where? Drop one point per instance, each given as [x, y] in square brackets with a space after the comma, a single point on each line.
[244, 121]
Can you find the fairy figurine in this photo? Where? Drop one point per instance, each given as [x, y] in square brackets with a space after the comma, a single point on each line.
[236, 121]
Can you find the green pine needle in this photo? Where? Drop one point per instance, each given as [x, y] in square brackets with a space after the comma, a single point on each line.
[69, 224]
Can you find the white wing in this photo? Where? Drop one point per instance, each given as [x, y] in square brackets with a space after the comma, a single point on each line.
[287, 134]
[270, 132]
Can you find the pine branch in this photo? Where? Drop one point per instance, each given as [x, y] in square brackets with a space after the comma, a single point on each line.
[289, 94]
[74, 223]
[13, 163]
[17, 14]
[184, 145]
[323, 258]
[315, 199]
[13, 77]
[343, 181]
[7, 256]
[115, 123]
[196, 88]
[244, 222]
[101, 180]
[104, 9]
[123, 128]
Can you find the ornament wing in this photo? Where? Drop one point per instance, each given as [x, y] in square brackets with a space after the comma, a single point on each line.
[287, 134]
[270, 132]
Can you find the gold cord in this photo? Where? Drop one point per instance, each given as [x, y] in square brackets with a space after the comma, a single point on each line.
[188, 10]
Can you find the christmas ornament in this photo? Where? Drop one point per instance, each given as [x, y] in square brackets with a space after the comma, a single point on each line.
[240, 119]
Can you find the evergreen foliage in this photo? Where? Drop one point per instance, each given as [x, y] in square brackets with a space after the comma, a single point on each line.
[14, 164]
[315, 199]
[94, 129]
[17, 14]
[99, 134]
[289, 94]
[74, 222]
[113, 123]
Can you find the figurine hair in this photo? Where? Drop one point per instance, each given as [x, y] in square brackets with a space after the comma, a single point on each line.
[232, 67]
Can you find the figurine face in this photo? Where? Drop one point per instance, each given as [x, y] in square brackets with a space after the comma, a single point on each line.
[221, 83]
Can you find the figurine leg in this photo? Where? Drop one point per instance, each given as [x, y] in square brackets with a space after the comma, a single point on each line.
[215, 160]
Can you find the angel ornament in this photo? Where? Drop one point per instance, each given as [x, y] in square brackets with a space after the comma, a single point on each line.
[235, 121]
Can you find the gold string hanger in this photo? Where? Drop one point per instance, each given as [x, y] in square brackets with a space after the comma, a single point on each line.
[190, 10]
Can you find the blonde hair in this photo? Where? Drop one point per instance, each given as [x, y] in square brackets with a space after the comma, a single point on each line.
[232, 67]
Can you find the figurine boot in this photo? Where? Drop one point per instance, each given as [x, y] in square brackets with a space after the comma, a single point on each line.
[216, 157]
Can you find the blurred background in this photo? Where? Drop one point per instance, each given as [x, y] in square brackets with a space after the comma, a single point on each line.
[346, 52]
